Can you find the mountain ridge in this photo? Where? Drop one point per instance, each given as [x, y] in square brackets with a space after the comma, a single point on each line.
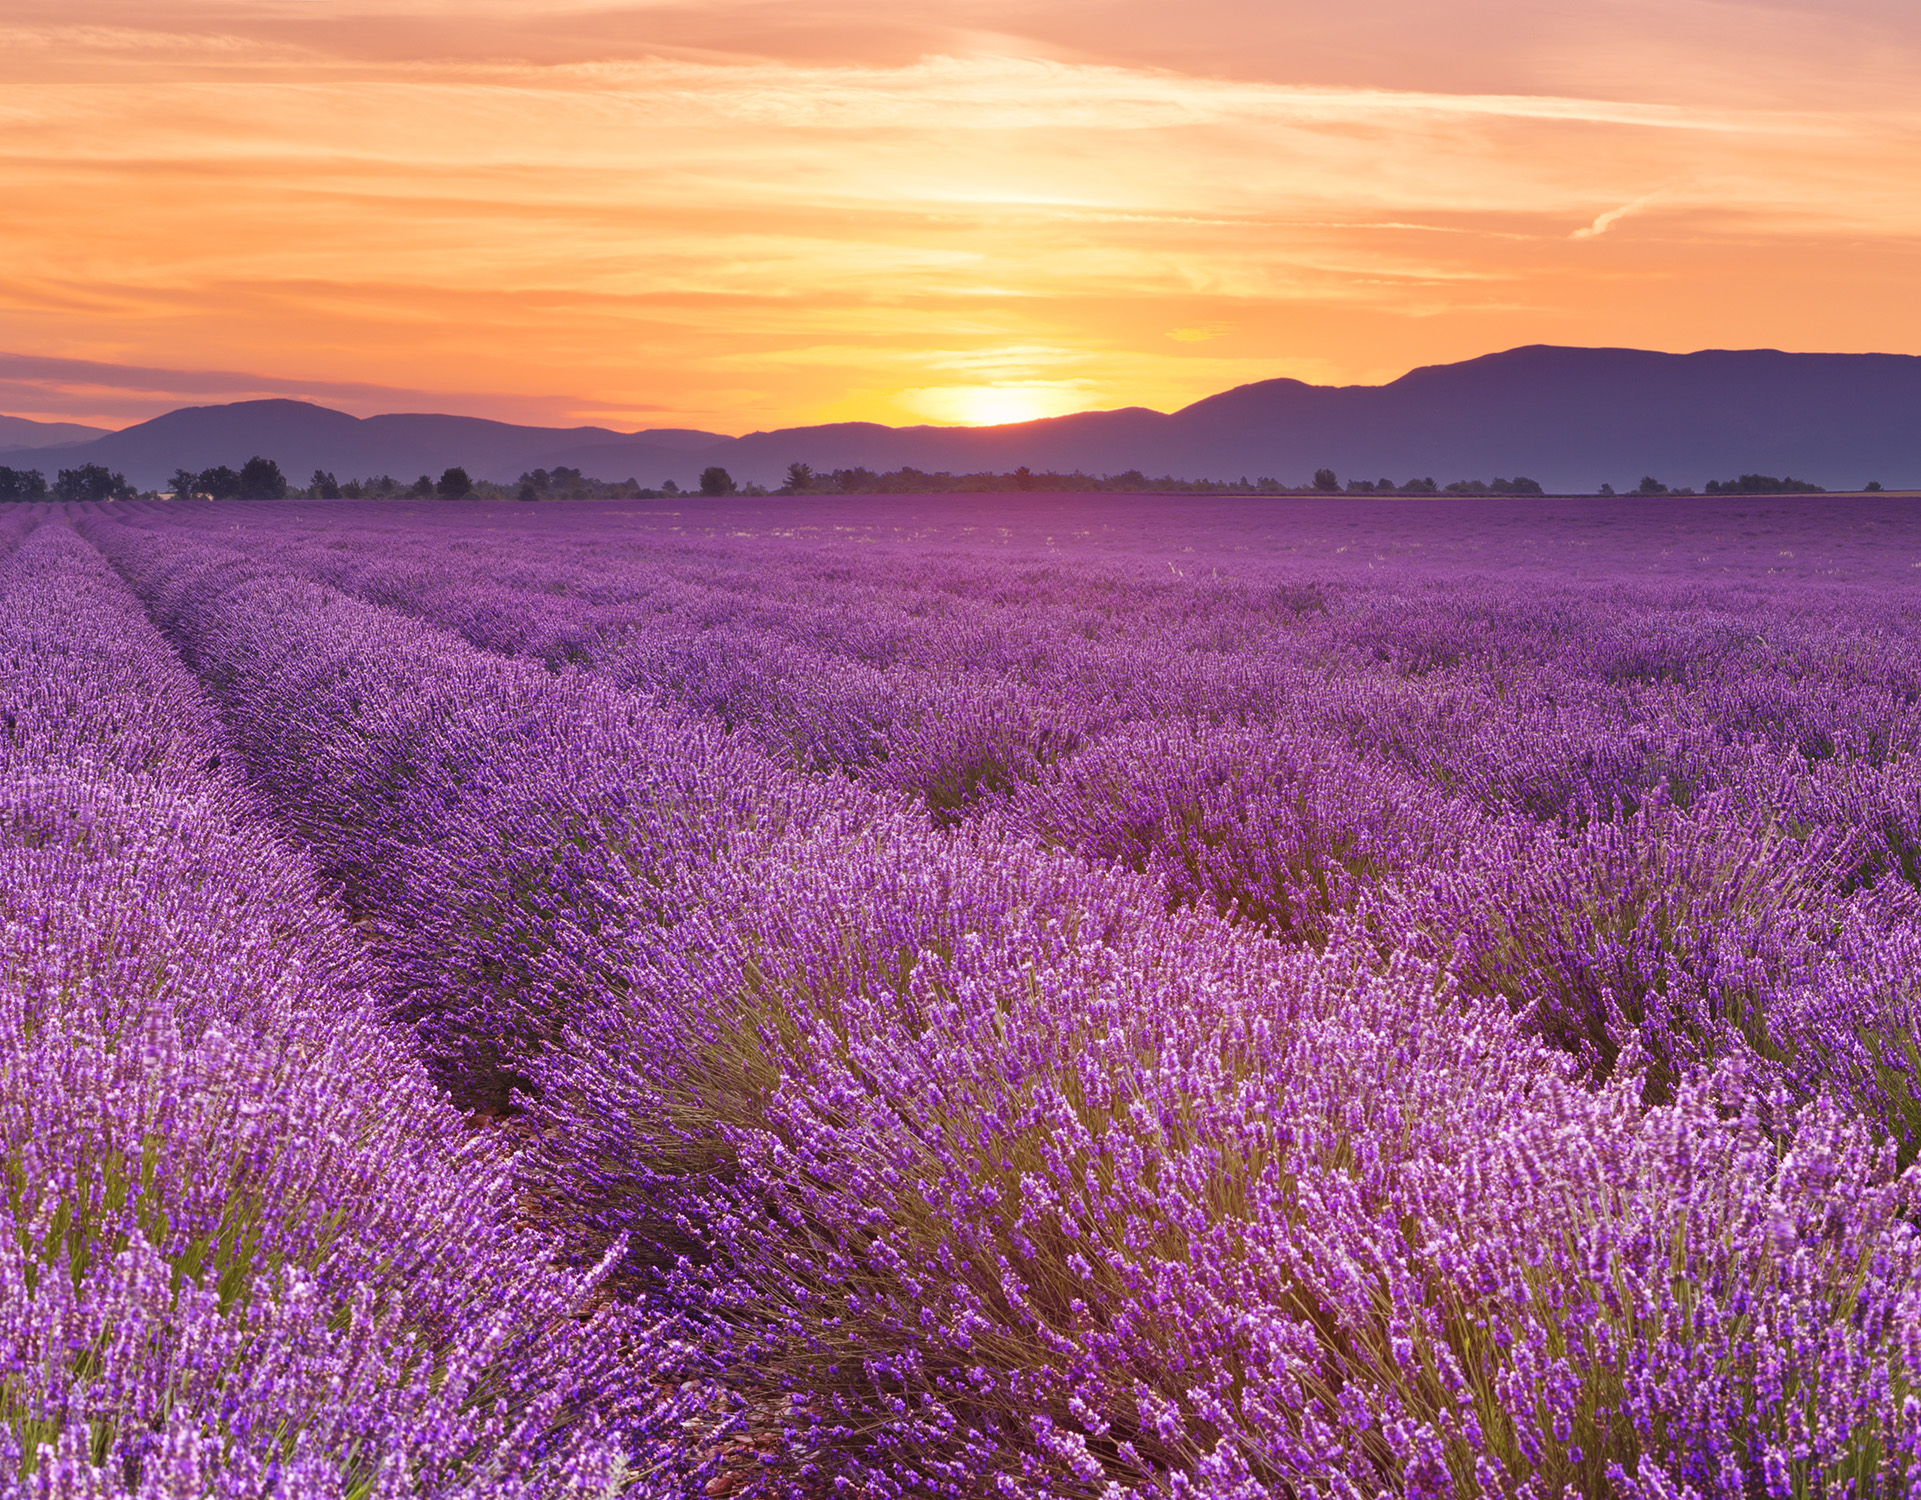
[25, 434]
[1570, 417]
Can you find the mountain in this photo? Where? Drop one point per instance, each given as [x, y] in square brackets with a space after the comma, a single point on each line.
[1571, 418]
[20, 434]
[302, 437]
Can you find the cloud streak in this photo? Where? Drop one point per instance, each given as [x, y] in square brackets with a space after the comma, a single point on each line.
[1604, 222]
[46, 370]
[38, 383]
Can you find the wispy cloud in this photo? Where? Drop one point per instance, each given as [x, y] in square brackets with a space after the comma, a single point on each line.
[32, 384]
[1606, 221]
[46, 370]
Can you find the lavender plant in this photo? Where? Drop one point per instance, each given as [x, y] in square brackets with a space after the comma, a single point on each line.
[246, 1245]
[1566, 1155]
[1083, 1209]
[1280, 828]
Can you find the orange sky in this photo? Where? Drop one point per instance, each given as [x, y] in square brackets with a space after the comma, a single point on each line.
[742, 215]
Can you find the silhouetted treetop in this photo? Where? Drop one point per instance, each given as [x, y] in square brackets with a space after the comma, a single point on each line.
[90, 483]
[261, 479]
[22, 485]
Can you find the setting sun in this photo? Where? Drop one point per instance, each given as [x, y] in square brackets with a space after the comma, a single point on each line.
[994, 405]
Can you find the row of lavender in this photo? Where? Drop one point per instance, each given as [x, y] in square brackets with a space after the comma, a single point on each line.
[952, 674]
[247, 1248]
[1001, 1173]
[1687, 824]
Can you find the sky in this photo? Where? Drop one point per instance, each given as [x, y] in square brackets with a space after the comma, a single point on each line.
[747, 214]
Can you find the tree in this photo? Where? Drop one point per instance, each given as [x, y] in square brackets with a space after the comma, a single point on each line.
[424, 485]
[218, 483]
[1872, 487]
[716, 481]
[261, 479]
[1649, 485]
[22, 484]
[454, 484]
[1763, 484]
[324, 486]
[185, 484]
[1326, 481]
[90, 484]
[799, 477]
[527, 491]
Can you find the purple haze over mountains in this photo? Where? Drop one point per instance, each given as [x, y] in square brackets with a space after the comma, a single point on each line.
[1571, 418]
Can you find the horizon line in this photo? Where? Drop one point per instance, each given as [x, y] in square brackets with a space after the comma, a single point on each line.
[320, 404]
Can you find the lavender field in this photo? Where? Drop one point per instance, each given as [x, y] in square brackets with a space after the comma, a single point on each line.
[1067, 996]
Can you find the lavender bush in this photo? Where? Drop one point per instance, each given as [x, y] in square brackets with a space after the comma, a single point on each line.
[476, 812]
[1079, 1207]
[247, 1249]
[1284, 829]
[1061, 1005]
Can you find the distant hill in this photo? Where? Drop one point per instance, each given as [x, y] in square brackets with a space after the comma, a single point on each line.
[302, 437]
[21, 433]
[1571, 418]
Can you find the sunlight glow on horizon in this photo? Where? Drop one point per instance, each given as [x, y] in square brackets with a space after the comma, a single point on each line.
[734, 216]
[994, 405]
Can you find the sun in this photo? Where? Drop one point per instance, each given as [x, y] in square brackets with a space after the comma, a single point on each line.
[994, 405]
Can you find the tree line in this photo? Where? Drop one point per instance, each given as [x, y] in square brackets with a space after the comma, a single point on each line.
[86, 484]
[803, 480]
[1745, 484]
[261, 479]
